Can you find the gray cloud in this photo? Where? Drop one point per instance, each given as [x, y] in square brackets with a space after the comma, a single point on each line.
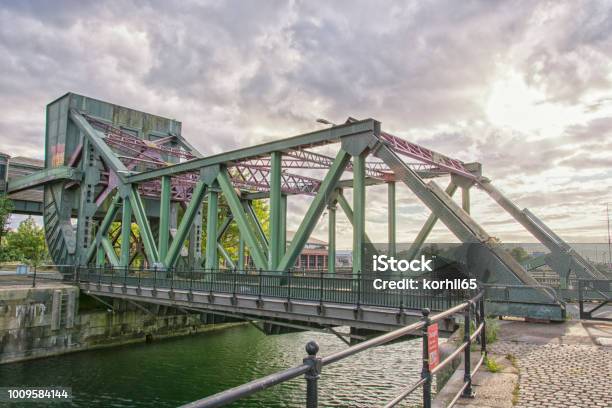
[241, 73]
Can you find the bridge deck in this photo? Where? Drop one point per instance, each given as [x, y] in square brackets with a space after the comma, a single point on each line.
[324, 300]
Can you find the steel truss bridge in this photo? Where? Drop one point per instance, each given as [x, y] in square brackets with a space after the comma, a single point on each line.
[109, 169]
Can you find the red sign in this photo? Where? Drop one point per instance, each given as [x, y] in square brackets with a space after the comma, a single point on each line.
[432, 346]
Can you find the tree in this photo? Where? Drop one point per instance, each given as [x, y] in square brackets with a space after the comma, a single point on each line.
[519, 254]
[28, 243]
[6, 206]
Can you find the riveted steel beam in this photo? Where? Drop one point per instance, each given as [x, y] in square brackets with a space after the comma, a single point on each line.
[126, 231]
[314, 211]
[331, 242]
[359, 193]
[240, 216]
[500, 267]
[143, 226]
[42, 177]
[108, 219]
[275, 211]
[185, 225]
[317, 138]
[97, 141]
[211, 229]
[109, 249]
[428, 226]
[164, 217]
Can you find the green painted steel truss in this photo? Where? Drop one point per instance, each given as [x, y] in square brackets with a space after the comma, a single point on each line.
[136, 191]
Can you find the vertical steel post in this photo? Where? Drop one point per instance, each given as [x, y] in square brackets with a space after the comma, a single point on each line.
[211, 230]
[100, 256]
[467, 355]
[391, 214]
[126, 232]
[331, 244]
[483, 334]
[428, 226]
[425, 373]
[358, 211]
[465, 199]
[313, 374]
[275, 211]
[240, 253]
[283, 227]
[164, 217]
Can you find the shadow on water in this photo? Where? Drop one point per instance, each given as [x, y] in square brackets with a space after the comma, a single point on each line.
[172, 372]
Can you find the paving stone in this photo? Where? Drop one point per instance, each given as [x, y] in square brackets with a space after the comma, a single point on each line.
[561, 375]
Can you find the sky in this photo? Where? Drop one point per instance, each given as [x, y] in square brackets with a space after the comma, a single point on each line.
[523, 87]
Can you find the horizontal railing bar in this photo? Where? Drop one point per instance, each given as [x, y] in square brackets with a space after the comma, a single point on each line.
[476, 332]
[449, 358]
[244, 390]
[404, 393]
[454, 400]
[376, 341]
[385, 338]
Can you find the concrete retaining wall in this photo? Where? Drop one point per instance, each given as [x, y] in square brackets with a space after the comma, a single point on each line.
[44, 321]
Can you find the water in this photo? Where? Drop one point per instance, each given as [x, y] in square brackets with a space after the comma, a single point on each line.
[176, 371]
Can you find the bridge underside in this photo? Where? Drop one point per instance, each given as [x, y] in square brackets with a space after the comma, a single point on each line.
[124, 188]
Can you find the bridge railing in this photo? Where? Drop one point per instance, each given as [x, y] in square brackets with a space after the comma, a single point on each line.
[292, 285]
[473, 312]
[595, 292]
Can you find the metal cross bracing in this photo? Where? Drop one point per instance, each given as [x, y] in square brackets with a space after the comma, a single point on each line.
[107, 165]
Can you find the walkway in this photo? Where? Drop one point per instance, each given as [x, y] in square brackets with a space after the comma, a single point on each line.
[545, 365]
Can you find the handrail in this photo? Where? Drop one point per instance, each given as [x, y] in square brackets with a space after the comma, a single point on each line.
[312, 364]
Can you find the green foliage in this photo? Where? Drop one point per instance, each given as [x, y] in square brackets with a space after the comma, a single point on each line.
[27, 244]
[519, 254]
[231, 237]
[6, 206]
[492, 365]
[491, 329]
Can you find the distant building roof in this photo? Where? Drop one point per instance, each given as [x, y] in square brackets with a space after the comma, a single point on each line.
[27, 161]
[311, 240]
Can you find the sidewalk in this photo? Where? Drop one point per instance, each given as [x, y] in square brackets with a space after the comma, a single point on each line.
[543, 365]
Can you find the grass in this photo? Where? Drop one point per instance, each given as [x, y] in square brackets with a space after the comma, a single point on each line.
[492, 365]
[491, 330]
[516, 393]
[517, 388]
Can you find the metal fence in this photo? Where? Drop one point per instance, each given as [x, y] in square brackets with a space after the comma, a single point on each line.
[473, 311]
[292, 285]
[596, 292]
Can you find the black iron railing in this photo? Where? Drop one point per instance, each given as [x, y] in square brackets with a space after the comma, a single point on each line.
[292, 285]
[473, 311]
[595, 292]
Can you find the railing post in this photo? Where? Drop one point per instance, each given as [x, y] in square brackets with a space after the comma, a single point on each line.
[580, 299]
[234, 288]
[358, 288]
[190, 280]
[483, 333]
[289, 285]
[467, 368]
[260, 273]
[313, 374]
[321, 288]
[172, 272]
[425, 373]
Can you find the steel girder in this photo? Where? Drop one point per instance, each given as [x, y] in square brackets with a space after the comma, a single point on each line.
[117, 156]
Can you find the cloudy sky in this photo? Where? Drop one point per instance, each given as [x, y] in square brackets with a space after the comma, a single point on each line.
[523, 87]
